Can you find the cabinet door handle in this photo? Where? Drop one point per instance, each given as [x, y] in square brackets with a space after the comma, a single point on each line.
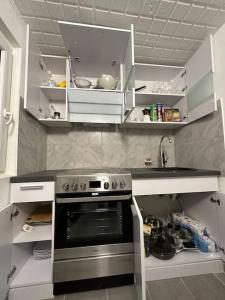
[214, 200]
[31, 187]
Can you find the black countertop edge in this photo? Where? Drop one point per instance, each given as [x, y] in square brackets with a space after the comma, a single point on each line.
[43, 176]
[137, 173]
[161, 174]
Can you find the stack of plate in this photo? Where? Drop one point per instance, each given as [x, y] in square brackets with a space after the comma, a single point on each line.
[42, 250]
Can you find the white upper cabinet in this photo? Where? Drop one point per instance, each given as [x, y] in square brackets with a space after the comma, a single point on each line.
[94, 51]
[201, 99]
[151, 84]
[45, 93]
[97, 50]
[190, 89]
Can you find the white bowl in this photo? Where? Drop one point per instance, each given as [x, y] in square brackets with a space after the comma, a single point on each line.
[82, 83]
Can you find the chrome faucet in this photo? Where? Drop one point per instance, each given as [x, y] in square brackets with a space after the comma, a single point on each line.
[163, 155]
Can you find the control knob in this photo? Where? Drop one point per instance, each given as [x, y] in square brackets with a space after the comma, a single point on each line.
[106, 185]
[66, 187]
[122, 184]
[83, 186]
[74, 187]
[114, 185]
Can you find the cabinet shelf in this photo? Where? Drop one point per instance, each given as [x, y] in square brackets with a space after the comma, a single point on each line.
[182, 264]
[54, 93]
[147, 98]
[39, 233]
[153, 125]
[34, 272]
[96, 90]
[55, 123]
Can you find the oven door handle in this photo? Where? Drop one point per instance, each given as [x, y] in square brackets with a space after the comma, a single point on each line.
[92, 199]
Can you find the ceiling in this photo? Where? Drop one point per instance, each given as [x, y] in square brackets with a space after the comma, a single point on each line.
[166, 31]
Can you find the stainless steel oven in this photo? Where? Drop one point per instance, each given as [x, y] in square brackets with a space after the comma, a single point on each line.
[93, 244]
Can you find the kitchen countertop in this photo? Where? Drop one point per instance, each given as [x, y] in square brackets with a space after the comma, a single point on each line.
[137, 173]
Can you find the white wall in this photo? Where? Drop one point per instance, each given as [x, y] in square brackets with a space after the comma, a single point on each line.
[14, 29]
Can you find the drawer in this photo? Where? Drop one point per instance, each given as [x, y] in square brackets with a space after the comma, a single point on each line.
[96, 96]
[95, 118]
[35, 292]
[32, 192]
[93, 267]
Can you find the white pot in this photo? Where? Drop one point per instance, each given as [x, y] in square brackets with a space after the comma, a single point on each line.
[107, 82]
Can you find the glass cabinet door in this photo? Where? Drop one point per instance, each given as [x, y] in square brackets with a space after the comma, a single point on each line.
[201, 98]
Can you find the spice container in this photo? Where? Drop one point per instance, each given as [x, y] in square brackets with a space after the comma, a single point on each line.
[176, 115]
[153, 112]
[159, 108]
[168, 115]
[146, 115]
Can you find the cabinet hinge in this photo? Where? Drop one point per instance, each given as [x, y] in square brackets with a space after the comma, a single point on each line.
[214, 200]
[14, 214]
[185, 117]
[11, 273]
[183, 74]
[184, 89]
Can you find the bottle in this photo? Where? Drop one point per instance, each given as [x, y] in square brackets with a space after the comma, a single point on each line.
[51, 82]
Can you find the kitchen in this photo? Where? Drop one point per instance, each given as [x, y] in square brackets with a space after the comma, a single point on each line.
[46, 142]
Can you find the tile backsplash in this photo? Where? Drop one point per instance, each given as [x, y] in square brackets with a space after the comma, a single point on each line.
[201, 144]
[198, 145]
[98, 147]
[32, 144]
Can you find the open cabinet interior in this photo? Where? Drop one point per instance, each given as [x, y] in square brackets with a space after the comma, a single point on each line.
[53, 98]
[31, 251]
[167, 97]
[202, 207]
[176, 95]
[92, 52]
[95, 50]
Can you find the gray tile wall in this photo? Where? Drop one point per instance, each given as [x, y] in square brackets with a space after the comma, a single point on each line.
[201, 144]
[89, 147]
[32, 144]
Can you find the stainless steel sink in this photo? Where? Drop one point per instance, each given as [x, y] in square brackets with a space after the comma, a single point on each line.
[169, 169]
[173, 169]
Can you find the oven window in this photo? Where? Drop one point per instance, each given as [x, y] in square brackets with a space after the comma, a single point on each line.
[97, 223]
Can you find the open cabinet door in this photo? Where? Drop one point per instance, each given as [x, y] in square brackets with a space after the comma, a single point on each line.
[129, 96]
[5, 93]
[129, 57]
[5, 250]
[201, 99]
[139, 252]
[33, 77]
[221, 220]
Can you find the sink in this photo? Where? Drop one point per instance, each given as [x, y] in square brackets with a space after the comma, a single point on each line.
[173, 169]
[169, 169]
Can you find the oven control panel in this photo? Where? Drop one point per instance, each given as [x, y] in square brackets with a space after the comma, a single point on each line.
[93, 183]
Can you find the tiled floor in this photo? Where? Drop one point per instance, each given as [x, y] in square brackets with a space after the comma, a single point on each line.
[201, 287]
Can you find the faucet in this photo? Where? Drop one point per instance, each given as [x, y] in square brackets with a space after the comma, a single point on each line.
[163, 156]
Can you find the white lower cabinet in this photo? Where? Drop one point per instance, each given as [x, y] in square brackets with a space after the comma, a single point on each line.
[206, 207]
[22, 276]
[27, 278]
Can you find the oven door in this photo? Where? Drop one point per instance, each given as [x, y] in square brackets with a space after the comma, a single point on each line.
[96, 221]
